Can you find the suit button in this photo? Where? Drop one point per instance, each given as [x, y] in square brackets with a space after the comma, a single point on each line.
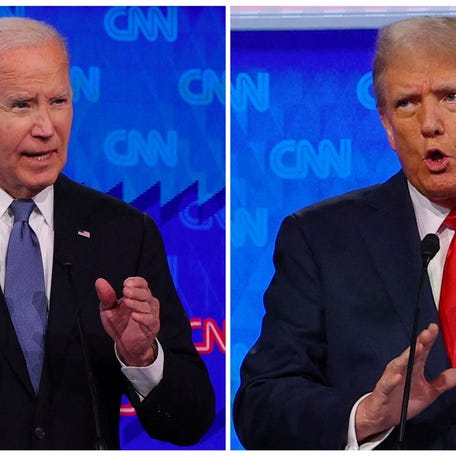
[164, 413]
[39, 432]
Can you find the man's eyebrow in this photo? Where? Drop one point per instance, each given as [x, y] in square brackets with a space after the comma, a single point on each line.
[66, 93]
[23, 97]
[20, 97]
[446, 87]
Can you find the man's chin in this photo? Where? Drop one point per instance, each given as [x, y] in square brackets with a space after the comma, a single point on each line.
[445, 197]
[31, 189]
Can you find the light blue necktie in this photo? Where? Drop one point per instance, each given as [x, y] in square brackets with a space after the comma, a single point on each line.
[24, 289]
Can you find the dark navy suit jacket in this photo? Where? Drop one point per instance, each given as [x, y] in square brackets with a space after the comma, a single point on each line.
[339, 308]
[123, 242]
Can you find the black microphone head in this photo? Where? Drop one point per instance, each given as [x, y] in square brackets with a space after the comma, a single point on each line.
[430, 245]
[65, 262]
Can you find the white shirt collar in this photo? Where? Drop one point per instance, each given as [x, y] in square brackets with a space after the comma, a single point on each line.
[44, 202]
[429, 216]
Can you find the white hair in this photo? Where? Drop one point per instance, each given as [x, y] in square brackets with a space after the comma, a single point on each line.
[19, 31]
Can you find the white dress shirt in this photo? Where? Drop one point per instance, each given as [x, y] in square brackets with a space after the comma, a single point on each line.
[143, 379]
[429, 218]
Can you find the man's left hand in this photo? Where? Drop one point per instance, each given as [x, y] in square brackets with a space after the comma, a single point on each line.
[132, 321]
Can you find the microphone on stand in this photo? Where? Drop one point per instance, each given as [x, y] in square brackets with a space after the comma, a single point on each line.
[430, 245]
[100, 443]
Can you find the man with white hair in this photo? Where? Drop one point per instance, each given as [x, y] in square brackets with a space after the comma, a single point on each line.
[103, 318]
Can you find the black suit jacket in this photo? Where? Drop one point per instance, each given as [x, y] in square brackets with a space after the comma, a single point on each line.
[123, 242]
[339, 308]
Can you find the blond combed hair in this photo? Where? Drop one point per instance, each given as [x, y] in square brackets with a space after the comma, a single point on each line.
[427, 33]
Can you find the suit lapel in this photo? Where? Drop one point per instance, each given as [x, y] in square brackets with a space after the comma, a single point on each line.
[391, 236]
[69, 248]
[10, 347]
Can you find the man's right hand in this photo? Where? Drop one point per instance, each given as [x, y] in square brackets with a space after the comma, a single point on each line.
[381, 410]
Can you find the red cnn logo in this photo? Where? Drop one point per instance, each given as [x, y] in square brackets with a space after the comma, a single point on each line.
[212, 335]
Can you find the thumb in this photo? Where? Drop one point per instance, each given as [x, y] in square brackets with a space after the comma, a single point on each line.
[445, 381]
[106, 294]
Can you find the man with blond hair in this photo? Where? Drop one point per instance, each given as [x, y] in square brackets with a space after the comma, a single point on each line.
[329, 367]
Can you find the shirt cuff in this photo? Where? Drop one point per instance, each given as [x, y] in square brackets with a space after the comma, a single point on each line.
[352, 442]
[144, 379]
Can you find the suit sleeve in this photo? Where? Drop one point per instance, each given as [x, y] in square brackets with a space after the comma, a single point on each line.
[180, 408]
[285, 400]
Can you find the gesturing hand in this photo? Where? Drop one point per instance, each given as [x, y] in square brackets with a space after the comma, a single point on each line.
[381, 410]
[132, 321]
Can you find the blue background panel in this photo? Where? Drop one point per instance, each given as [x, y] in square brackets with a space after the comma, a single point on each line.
[149, 131]
[303, 127]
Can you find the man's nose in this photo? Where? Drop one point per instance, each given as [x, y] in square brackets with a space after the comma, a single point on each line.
[431, 119]
[43, 125]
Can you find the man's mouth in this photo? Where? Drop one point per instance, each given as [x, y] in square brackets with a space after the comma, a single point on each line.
[39, 156]
[435, 155]
[436, 160]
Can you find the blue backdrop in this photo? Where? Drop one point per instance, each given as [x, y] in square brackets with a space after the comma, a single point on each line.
[149, 128]
[303, 127]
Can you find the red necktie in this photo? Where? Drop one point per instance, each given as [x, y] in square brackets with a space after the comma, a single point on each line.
[447, 305]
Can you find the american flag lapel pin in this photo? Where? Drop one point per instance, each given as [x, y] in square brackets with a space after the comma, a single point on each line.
[84, 233]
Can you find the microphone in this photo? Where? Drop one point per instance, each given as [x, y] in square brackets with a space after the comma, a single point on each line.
[100, 443]
[430, 245]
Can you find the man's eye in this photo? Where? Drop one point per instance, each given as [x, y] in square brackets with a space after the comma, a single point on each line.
[20, 105]
[403, 103]
[451, 97]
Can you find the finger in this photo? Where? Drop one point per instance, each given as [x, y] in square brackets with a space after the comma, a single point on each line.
[140, 294]
[428, 335]
[389, 382]
[105, 293]
[445, 381]
[136, 282]
[398, 365]
[394, 374]
[137, 288]
[424, 343]
[137, 306]
[147, 307]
